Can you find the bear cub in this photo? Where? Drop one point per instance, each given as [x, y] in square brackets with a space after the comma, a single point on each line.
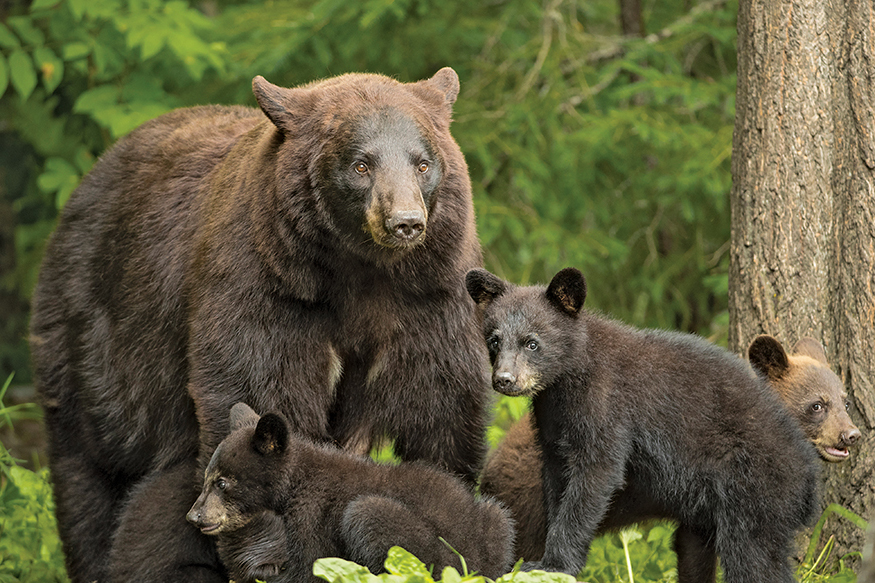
[809, 389]
[277, 501]
[814, 394]
[663, 423]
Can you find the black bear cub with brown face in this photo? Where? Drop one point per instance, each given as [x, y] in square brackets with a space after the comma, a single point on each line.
[277, 501]
[665, 425]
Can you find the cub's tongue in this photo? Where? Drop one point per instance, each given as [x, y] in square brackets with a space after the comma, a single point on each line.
[835, 452]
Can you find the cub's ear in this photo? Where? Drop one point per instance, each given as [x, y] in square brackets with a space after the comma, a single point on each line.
[279, 104]
[271, 435]
[567, 291]
[768, 356]
[242, 415]
[484, 287]
[811, 347]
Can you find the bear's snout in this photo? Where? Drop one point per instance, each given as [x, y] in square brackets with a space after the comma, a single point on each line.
[406, 226]
[503, 381]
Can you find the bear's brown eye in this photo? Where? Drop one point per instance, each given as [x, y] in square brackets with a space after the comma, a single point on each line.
[360, 167]
[817, 407]
[532, 345]
[221, 484]
[423, 167]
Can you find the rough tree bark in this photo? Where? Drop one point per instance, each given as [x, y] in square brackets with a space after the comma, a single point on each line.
[803, 205]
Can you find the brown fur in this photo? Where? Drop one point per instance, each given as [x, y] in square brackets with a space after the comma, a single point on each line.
[219, 254]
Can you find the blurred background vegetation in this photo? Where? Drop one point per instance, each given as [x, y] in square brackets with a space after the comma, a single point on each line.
[594, 139]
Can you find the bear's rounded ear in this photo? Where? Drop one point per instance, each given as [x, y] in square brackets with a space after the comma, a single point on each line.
[242, 415]
[768, 357]
[271, 435]
[567, 291]
[442, 89]
[278, 103]
[483, 286]
[447, 82]
[810, 347]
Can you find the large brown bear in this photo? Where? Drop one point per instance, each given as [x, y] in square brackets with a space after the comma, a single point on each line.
[813, 394]
[307, 258]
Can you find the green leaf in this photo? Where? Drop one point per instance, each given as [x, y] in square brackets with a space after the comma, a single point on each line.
[26, 31]
[401, 562]
[7, 39]
[97, 99]
[22, 73]
[60, 177]
[333, 569]
[51, 67]
[75, 50]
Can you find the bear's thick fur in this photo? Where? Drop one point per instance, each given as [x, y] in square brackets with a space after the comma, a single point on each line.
[809, 389]
[307, 258]
[277, 502]
[635, 424]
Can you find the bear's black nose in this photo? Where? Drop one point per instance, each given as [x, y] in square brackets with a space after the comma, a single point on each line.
[406, 225]
[851, 437]
[501, 381]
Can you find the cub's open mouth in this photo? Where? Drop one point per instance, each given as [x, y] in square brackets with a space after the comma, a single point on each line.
[834, 453]
[210, 528]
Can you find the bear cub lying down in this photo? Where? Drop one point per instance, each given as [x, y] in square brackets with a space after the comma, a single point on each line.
[278, 501]
[657, 424]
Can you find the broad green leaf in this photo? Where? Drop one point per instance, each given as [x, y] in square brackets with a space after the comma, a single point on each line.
[75, 50]
[8, 40]
[97, 99]
[26, 31]
[332, 569]
[22, 73]
[402, 562]
[51, 67]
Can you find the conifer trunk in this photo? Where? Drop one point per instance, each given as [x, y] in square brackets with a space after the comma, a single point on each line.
[803, 205]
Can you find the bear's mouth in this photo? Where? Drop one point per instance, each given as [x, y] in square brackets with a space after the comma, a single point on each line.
[833, 454]
[210, 528]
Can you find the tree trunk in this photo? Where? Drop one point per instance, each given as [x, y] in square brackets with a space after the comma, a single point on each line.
[803, 206]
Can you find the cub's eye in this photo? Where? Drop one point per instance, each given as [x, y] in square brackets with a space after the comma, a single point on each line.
[221, 484]
[532, 345]
[492, 344]
[360, 168]
[423, 167]
[847, 406]
[816, 407]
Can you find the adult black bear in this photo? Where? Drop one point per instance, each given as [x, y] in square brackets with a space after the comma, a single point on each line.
[659, 424]
[277, 502]
[307, 258]
[812, 393]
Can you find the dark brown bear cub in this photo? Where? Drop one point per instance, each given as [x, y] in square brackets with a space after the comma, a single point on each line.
[812, 393]
[307, 257]
[662, 424]
[277, 502]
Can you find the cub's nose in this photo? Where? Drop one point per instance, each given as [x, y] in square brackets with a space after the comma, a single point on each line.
[194, 517]
[501, 381]
[406, 225]
[851, 436]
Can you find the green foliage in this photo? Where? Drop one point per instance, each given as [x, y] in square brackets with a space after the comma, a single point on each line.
[817, 567]
[30, 550]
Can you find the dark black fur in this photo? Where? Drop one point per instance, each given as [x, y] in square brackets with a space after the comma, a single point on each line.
[277, 502]
[662, 424]
[309, 260]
